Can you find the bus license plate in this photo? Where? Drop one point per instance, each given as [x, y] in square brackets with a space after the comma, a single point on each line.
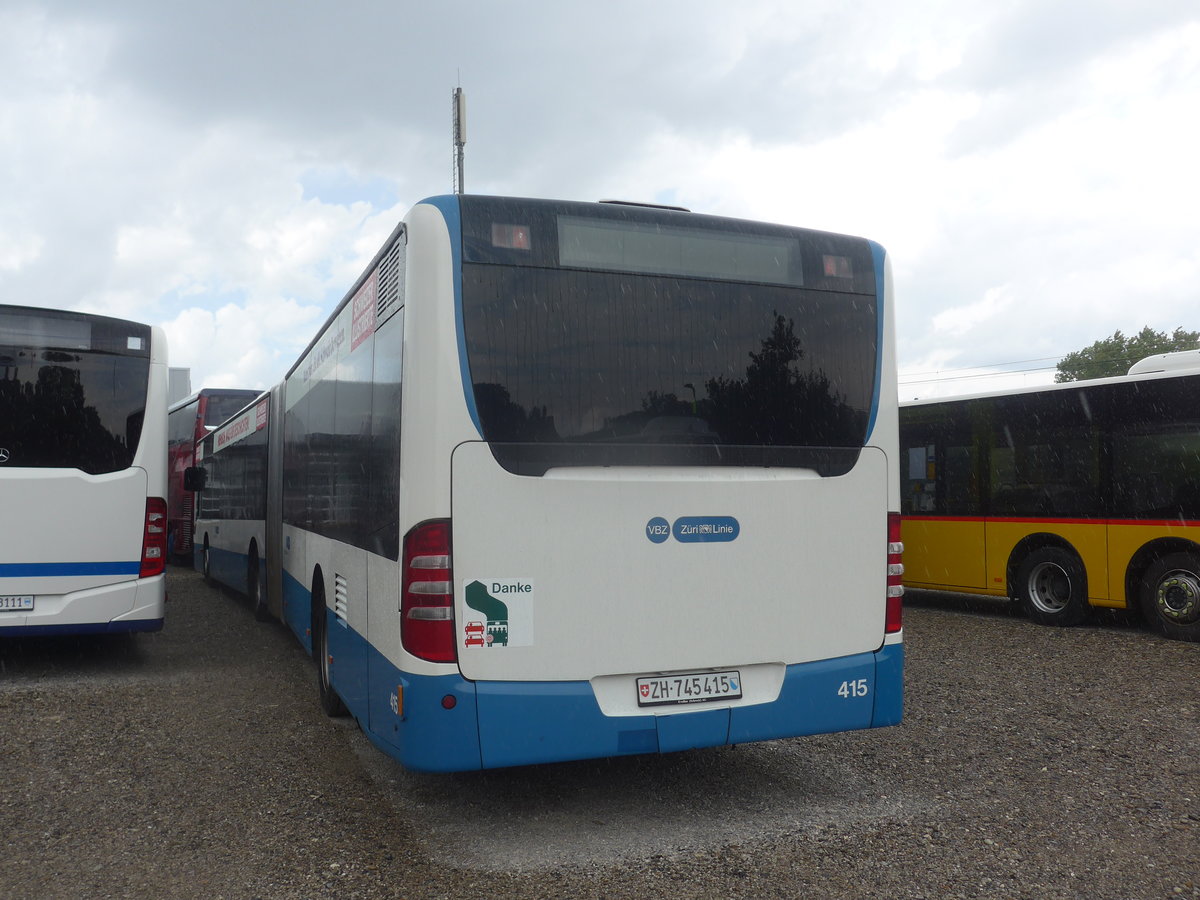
[16, 602]
[699, 687]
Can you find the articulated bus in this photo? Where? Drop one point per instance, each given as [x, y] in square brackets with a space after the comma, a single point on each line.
[83, 473]
[230, 544]
[188, 422]
[1064, 498]
[565, 480]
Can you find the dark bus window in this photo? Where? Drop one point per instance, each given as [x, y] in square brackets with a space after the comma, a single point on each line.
[1156, 475]
[381, 517]
[560, 356]
[612, 335]
[72, 389]
[181, 424]
[939, 462]
[219, 407]
[1045, 456]
[1156, 449]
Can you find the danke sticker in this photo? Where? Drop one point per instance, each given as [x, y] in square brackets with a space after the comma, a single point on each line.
[499, 613]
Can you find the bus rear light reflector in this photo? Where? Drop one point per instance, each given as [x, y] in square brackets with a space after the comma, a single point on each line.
[431, 613]
[427, 593]
[429, 587]
[893, 615]
[154, 538]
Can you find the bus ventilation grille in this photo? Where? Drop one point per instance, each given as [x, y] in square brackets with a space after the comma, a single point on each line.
[390, 284]
[341, 597]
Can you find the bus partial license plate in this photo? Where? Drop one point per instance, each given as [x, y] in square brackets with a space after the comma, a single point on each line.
[16, 602]
[700, 687]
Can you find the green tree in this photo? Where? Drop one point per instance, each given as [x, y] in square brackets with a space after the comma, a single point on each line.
[1114, 355]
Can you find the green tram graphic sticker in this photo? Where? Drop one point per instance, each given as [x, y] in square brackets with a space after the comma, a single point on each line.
[505, 608]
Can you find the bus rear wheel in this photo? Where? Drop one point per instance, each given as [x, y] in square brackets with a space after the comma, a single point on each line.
[1170, 595]
[254, 591]
[331, 703]
[1052, 587]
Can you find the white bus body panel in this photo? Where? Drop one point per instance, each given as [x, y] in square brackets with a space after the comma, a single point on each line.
[1179, 361]
[589, 594]
[233, 536]
[68, 516]
[98, 519]
[74, 520]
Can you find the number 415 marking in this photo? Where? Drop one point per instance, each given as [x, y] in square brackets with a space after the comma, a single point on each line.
[854, 688]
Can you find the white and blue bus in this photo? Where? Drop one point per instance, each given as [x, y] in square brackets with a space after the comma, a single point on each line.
[83, 473]
[230, 527]
[564, 480]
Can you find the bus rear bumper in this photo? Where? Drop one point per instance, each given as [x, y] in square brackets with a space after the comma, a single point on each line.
[450, 724]
[126, 606]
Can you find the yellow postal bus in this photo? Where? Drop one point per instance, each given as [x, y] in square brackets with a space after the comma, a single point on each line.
[1064, 498]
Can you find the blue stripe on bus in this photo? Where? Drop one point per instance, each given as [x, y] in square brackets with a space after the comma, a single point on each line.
[120, 626]
[448, 206]
[447, 723]
[879, 255]
[49, 570]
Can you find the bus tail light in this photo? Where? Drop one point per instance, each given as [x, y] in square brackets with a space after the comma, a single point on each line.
[895, 575]
[154, 538]
[427, 593]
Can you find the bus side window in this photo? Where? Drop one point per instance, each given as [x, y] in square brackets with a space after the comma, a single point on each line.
[194, 478]
[919, 487]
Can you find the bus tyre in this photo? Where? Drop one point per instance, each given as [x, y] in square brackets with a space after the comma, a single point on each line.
[331, 703]
[254, 590]
[1170, 595]
[205, 567]
[1052, 587]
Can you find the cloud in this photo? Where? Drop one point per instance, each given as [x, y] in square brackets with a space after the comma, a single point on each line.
[959, 321]
[219, 166]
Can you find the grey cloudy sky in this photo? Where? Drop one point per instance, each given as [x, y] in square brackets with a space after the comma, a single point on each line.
[226, 169]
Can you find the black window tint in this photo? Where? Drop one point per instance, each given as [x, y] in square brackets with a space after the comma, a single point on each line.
[349, 447]
[341, 443]
[72, 389]
[320, 453]
[561, 357]
[181, 425]
[1156, 449]
[236, 479]
[939, 459]
[295, 464]
[382, 516]
[219, 407]
[1045, 458]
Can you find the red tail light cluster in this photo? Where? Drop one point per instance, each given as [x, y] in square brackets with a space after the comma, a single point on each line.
[154, 538]
[427, 593]
[895, 575]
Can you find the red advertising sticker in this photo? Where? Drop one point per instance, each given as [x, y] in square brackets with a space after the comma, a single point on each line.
[362, 315]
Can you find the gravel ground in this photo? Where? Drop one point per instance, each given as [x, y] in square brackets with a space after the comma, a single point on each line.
[1033, 763]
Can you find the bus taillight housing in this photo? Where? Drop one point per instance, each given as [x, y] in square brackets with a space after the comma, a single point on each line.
[154, 538]
[427, 593]
[895, 576]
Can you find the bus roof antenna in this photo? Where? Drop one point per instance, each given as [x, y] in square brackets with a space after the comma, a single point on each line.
[459, 112]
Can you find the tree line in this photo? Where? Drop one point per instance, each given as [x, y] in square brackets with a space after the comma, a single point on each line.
[1114, 355]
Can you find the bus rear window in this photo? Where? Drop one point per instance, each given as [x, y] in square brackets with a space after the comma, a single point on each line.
[72, 390]
[221, 406]
[610, 335]
[664, 370]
